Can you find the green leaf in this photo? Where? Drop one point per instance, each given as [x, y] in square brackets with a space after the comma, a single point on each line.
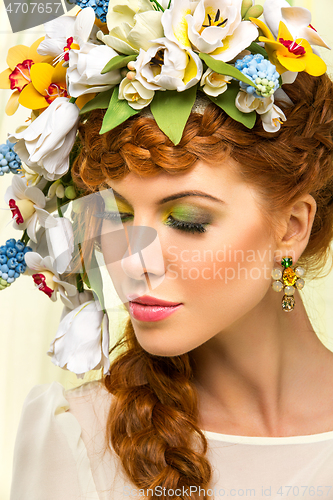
[225, 69]
[117, 112]
[118, 62]
[254, 48]
[101, 101]
[171, 110]
[226, 101]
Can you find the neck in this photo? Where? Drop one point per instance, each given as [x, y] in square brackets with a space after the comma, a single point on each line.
[258, 374]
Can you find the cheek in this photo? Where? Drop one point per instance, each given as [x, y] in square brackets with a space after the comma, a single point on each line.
[235, 271]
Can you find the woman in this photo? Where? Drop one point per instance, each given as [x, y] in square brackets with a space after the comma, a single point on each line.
[219, 393]
[228, 369]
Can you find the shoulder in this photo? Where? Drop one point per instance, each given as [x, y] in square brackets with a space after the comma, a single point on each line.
[50, 445]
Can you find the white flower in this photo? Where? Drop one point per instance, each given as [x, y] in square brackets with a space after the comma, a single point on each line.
[27, 206]
[67, 32]
[166, 66]
[84, 71]
[250, 102]
[31, 177]
[297, 20]
[272, 119]
[45, 145]
[213, 83]
[132, 25]
[82, 340]
[214, 27]
[60, 241]
[135, 93]
[47, 279]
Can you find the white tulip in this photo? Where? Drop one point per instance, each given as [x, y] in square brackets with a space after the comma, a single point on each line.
[82, 340]
[132, 25]
[166, 66]
[213, 83]
[84, 71]
[60, 241]
[135, 93]
[272, 119]
[213, 27]
[45, 145]
[297, 20]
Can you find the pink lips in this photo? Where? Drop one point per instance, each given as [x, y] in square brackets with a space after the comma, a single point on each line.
[148, 308]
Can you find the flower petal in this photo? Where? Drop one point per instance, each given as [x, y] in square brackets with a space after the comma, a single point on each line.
[31, 98]
[34, 261]
[41, 77]
[241, 38]
[59, 74]
[315, 66]
[296, 17]
[312, 37]
[83, 23]
[13, 103]
[17, 55]
[4, 79]
[291, 63]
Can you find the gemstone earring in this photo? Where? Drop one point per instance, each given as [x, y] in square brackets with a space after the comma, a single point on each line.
[288, 280]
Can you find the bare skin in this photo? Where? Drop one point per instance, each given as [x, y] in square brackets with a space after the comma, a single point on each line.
[258, 370]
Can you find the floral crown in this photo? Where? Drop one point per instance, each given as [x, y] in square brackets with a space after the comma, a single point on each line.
[123, 56]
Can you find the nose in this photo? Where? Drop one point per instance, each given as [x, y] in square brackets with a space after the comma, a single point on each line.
[144, 255]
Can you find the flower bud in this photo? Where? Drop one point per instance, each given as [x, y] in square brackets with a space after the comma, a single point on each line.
[70, 192]
[246, 4]
[254, 11]
[60, 191]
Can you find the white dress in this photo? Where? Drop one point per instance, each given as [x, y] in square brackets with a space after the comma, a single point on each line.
[59, 455]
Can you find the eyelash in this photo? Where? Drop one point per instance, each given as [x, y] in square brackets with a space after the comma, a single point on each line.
[190, 227]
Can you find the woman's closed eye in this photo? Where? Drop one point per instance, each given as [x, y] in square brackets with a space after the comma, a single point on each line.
[191, 226]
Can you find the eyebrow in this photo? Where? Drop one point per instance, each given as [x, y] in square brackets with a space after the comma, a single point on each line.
[176, 196]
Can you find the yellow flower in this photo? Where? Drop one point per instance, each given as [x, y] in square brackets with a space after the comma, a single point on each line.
[288, 54]
[20, 59]
[47, 83]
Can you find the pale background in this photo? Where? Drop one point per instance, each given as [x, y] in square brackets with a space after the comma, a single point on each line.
[29, 320]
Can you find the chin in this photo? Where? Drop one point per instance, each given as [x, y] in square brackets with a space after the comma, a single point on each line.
[161, 347]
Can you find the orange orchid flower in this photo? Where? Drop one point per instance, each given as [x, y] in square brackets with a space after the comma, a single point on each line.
[20, 60]
[288, 54]
[47, 83]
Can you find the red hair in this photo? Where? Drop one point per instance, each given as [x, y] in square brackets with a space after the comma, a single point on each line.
[153, 418]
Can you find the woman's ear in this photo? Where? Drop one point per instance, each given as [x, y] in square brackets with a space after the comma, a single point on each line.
[297, 227]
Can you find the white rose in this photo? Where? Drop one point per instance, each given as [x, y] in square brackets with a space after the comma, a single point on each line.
[132, 24]
[45, 145]
[84, 71]
[166, 66]
[213, 83]
[135, 93]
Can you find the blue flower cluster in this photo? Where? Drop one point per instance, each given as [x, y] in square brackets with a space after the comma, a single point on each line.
[12, 261]
[262, 72]
[9, 160]
[100, 7]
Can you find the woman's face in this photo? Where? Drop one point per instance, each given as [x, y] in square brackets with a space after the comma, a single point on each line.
[219, 274]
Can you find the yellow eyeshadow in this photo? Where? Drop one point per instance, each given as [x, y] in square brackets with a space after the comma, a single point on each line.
[184, 213]
[112, 206]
